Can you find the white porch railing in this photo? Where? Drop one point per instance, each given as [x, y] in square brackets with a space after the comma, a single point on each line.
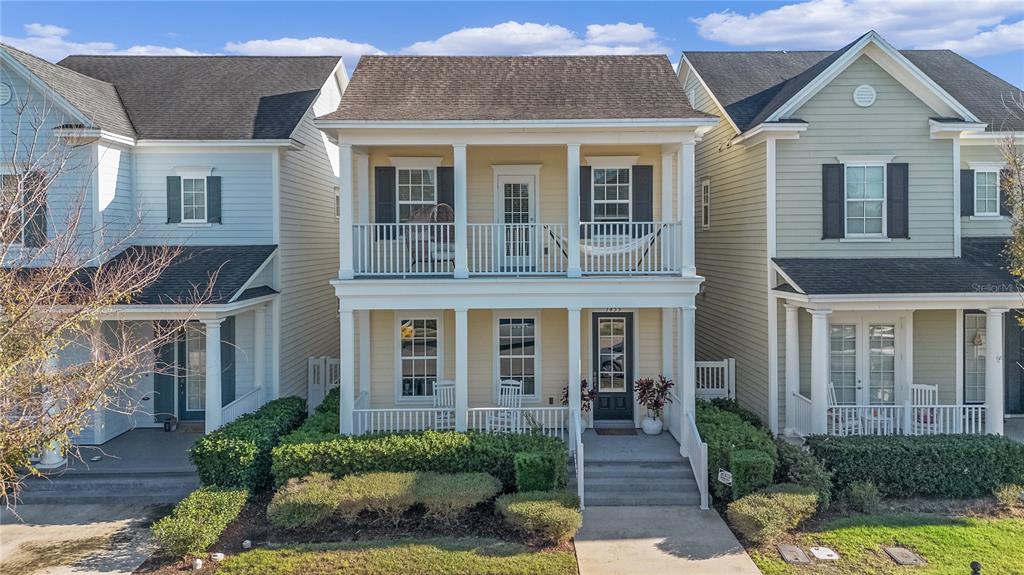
[322, 375]
[553, 421]
[403, 249]
[697, 454]
[716, 379]
[904, 419]
[936, 419]
[802, 406]
[576, 445]
[629, 248]
[247, 403]
[399, 419]
[516, 249]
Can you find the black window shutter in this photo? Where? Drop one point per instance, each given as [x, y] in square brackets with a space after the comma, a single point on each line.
[227, 360]
[385, 209]
[643, 198]
[897, 200]
[833, 210]
[1004, 203]
[966, 192]
[35, 202]
[173, 199]
[584, 200]
[446, 185]
[213, 203]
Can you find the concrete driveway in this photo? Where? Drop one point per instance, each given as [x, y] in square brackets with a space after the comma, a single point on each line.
[96, 539]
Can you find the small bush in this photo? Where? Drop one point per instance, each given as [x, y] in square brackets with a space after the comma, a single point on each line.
[732, 406]
[948, 466]
[1009, 495]
[797, 465]
[322, 424]
[446, 496]
[765, 516]
[752, 470]
[198, 520]
[238, 454]
[387, 494]
[725, 432]
[537, 471]
[862, 496]
[304, 502]
[551, 516]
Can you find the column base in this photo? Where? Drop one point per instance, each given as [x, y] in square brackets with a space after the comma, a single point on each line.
[51, 458]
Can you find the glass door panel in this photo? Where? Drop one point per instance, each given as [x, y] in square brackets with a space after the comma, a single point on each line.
[881, 364]
[843, 364]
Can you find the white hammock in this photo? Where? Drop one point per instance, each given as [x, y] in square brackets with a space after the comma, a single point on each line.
[612, 245]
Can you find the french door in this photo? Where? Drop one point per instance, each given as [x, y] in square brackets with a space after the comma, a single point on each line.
[516, 195]
[865, 359]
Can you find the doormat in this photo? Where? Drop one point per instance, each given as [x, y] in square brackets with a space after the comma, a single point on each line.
[196, 427]
[616, 431]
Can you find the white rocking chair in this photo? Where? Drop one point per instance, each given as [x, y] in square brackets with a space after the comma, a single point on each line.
[444, 405]
[508, 419]
[924, 420]
[840, 423]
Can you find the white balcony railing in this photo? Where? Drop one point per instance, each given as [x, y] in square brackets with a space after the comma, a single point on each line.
[629, 248]
[516, 249]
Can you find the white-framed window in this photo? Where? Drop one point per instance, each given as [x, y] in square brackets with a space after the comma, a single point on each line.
[193, 199]
[10, 203]
[611, 194]
[843, 362]
[417, 188]
[518, 351]
[419, 355]
[986, 193]
[865, 201]
[705, 204]
[974, 357]
[195, 362]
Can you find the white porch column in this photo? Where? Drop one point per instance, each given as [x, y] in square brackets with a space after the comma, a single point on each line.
[687, 368]
[365, 351]
[363, 187]
[259, 352]
[347, 371]
[51, 456]
[819, 370]
[459, 173]
[994, 371]
[686, 207]
[575, 369]
[573, 179]
[213, 373]
[345, 238]
[461, 369]
[792, 365]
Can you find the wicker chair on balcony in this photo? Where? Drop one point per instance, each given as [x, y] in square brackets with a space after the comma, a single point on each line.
[444, 405]
[433, 246]
[508, 419]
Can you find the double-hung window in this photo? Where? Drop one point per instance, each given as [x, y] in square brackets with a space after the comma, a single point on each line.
[865, 201]
[417, 188]
[518, 352]
[986, 193]
[419, 356]
[612, 194]
[193, 199]
[705, 204]
[10, 210]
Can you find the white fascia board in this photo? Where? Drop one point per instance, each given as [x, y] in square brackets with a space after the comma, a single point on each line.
[777, 130]
[684, 60]
[517, 293]
[843, 62]
[947, 130]
[37, 83]
[513, 137]
[785, 276]
[181, 311]
[517, 124]
[865, 302]
[285, 143]
[990, 138]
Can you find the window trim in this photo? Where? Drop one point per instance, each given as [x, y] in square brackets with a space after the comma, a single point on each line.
[999, 194]
[535, 315]
[20, 243]
[397, 327]
[705, 204]
[884, 234]
[593, 192]
[398, 198]
[337, 203]
[963, 348]
[206, 197]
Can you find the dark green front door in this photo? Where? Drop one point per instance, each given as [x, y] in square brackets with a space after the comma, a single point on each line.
[612, 359]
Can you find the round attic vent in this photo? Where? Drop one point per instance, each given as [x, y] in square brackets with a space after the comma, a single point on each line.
[5, 93]
[864, 95]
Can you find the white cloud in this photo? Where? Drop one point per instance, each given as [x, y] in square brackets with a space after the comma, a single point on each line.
[513, 38]
[314, 46]
[975, 27]
[50, 42]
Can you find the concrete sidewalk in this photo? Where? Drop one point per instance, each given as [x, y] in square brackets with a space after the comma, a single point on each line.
[660, 540]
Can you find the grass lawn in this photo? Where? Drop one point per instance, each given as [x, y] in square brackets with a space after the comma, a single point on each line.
[947, 544]
[445, 556]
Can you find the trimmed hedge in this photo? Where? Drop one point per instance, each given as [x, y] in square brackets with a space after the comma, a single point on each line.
[536, 471]
[752, 470]
[322, 424]
[765, 516]
[726, 432]
[198, 520]
[443, 452]
[798, 465]
[551, 516]
[951, 466]
[732, 406]
[238, 453]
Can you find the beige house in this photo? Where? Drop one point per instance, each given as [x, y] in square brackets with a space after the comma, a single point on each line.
[850, 224]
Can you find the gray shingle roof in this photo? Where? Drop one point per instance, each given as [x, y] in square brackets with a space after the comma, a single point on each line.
[752, 85]
[424, 88]
[95, 99]
[211, 97]
[980, 270]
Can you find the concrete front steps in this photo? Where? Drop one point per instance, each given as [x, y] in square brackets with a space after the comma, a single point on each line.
[637, 482]
[146, 488]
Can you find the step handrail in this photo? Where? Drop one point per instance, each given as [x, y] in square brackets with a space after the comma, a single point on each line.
[576, 422]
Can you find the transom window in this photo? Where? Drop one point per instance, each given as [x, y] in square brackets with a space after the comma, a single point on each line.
[10, 212]
[193, 199]
[612, 193]
[986, 193]
[865, 201]
[517, 352]
[419, 355]
[417, 188]
[974, 358]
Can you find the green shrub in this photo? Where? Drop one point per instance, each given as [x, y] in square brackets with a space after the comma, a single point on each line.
[798, 465]
[322, 424]
[752, 470]
[304, 502]
[387, 494]
[948, 466]
[732, 406]
[446, 496]
[537, 470]
[443, 452]
[1009, 496]
[862, 496]
[725, 432]
[198, 520]
[238, 453]
[765, 516]
[551, 516]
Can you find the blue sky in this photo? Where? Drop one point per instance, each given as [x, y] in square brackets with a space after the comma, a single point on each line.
[989, 32]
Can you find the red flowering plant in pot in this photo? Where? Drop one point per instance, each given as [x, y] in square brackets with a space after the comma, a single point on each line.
[587, 395]
[653, 395]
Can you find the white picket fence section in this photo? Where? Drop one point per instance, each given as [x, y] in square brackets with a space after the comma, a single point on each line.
[247, 403]
[716, 379]
[322, 375]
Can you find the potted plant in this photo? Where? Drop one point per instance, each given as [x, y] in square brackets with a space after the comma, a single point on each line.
[653, 395]
[587, 395]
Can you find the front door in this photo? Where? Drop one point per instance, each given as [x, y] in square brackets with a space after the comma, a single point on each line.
[516, 196]
[1013, 361]
[612, 359]
[863, 354]
[191, 363]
